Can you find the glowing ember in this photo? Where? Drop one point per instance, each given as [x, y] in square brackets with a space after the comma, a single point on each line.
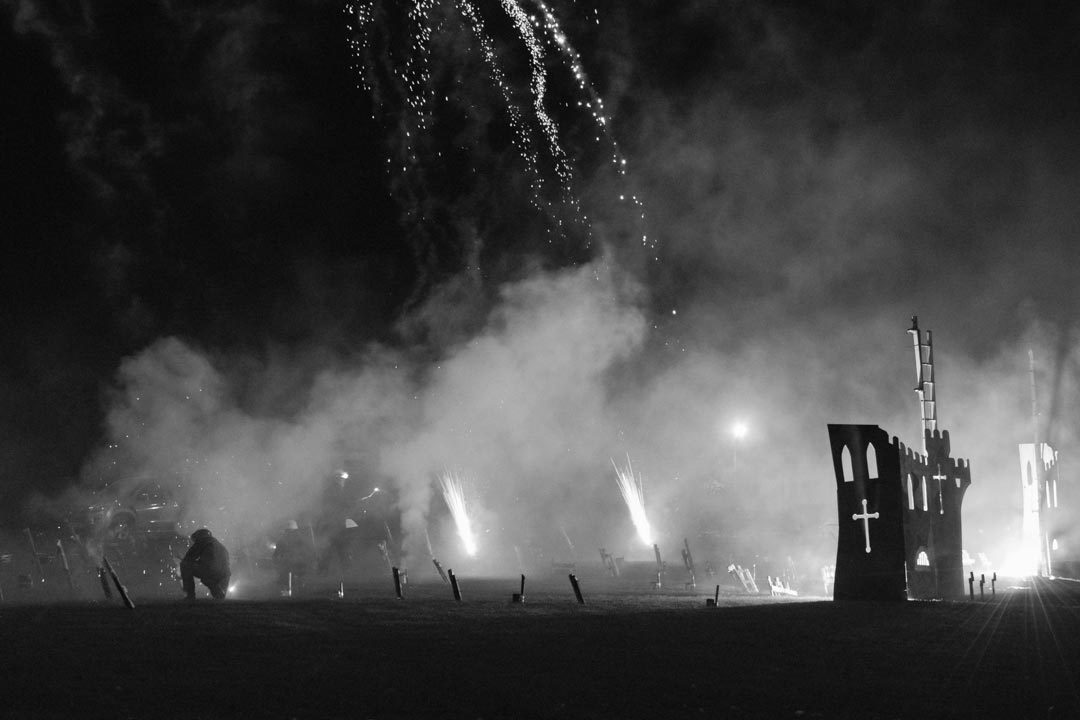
[454, 494]
[632, 488]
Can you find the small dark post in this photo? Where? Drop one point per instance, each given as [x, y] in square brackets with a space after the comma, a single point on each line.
[716, 596]
[397, 582]
[577, 588]
[971, 585]
[993, 584]
[67, 567]
[982, 584]
[442, 573]
[119, 586]
[519, 597]
[103, 578]
[454, 585]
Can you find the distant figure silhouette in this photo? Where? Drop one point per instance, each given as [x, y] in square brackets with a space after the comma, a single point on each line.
[208, 560]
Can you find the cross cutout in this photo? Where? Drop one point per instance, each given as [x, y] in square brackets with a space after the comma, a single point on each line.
[940, 483]
[865, 517]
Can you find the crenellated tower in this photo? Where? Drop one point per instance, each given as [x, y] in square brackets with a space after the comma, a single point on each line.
[1039, 491]
[899, 510]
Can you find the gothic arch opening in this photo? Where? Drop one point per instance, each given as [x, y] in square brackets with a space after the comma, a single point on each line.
[871, 462]
[845, 464]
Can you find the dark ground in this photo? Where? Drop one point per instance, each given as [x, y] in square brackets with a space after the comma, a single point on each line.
[622, 655]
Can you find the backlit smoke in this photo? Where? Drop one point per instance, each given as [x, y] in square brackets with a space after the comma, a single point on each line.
[799, 214]
[632, 488]
[453, 490]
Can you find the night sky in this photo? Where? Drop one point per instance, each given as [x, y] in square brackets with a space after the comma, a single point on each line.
[207, 196]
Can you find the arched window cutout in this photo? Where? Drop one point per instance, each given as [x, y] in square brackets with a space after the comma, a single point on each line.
[925, 504]
[1027, 469]
[871, 462]
[1055, 544]
[922, 559]
[910, 493]
[845, 464]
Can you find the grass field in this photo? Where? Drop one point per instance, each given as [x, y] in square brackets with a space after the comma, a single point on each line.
[621, 655]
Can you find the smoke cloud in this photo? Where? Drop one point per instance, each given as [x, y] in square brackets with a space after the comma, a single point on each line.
[813, 184]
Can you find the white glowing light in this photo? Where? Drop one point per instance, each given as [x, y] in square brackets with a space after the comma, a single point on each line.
[739, 430]
[454, 494]
[1018, 564]
[633, 492]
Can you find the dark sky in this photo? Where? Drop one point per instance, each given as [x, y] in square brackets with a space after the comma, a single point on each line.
[217, 176]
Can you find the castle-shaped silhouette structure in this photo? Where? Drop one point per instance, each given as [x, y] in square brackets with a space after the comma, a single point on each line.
[1040, 526]
[1045, 521]
[899, 509]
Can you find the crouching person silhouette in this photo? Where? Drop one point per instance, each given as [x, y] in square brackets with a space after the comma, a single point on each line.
[208, 561]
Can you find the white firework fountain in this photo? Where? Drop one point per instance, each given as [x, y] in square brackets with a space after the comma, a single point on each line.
[632, 487]
[453, 489]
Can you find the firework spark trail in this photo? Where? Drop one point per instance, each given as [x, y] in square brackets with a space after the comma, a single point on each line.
[453, 489]
[427, 539]
[538, 85]
[414, 84]
[569, 543]
[417, 91]
[633, 492]
[522, 138]
[595, 105]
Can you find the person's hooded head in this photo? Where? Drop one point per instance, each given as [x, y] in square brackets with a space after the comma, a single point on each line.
[200, 535]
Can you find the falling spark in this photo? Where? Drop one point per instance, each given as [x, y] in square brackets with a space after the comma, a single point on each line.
[595, 104]
[454, 494]
[632, 488]
[385, 70]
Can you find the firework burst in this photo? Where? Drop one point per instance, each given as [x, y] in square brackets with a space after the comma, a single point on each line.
[632, 488]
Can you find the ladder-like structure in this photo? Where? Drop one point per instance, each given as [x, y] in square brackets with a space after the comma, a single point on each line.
[924, 375]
